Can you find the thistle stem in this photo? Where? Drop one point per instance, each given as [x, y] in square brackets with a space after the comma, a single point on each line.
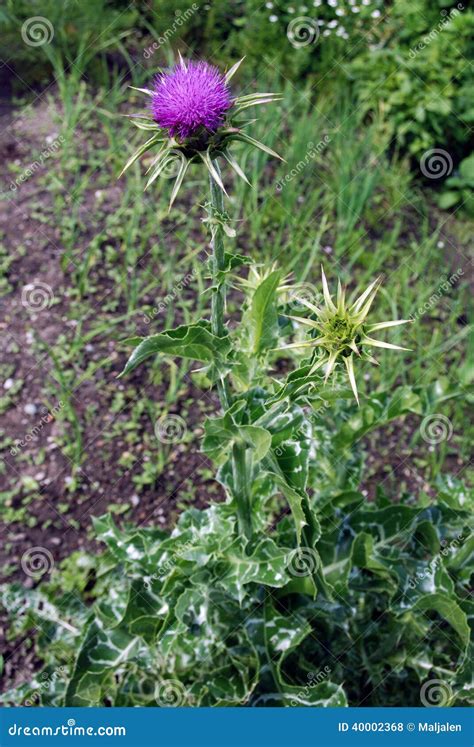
[218, 259]
[240, 470]
[219, 290]
[241, 480]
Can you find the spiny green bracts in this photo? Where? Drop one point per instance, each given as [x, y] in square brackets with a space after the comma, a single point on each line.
[342, 330]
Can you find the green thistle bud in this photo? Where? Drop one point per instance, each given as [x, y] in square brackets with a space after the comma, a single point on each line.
[258, 273]
[342, 330]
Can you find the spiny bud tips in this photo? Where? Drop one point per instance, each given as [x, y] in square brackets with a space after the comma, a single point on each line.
[341, 329]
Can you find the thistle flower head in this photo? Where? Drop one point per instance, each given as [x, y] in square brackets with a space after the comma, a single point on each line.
[341, 331]
[193, 117]
[190, 97]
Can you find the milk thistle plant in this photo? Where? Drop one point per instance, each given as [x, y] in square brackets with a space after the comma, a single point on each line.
[294, 590]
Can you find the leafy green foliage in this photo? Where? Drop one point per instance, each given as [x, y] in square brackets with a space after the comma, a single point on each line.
[295, 590]
[222, 433]
[421, 76]
[201, 618]
[460, 188]
[261, 319]
[194, 341]
[302, 609]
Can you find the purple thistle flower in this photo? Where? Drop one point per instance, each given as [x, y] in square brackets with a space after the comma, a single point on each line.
[190, 97]
[189, 106]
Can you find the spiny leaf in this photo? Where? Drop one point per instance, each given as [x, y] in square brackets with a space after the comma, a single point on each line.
[212, 169]
[223, 432]
[143, 90]
[261, 320]
[193, 341]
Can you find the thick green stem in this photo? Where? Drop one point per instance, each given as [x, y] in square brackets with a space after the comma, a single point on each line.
[219, 291]
[218, 259]
[240, 474]
[240, 471]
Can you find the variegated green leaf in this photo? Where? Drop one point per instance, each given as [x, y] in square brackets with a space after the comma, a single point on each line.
[193, 341]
